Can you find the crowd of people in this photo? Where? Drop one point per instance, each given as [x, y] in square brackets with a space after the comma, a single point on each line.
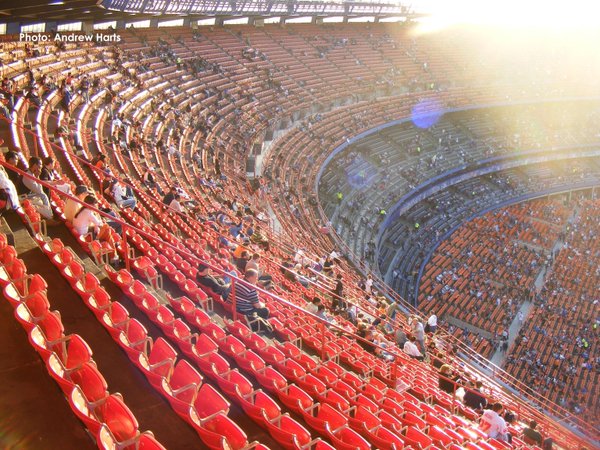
[239, 231]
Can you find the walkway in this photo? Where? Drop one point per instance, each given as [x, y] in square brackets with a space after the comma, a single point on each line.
[515, 326]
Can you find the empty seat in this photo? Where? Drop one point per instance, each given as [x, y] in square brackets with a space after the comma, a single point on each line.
[287, 432]
[346, 438]
[181, 387]
[158, 363]
[322, 417]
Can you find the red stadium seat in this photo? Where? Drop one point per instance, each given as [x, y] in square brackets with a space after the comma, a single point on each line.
[287, 432]
[182, 387]
[158, 363]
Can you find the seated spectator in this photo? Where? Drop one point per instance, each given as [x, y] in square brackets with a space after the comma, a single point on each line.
[411, 349]
[8, 191]
[418, 331]
[175, 204]
[87, 221]
[150, 181]
[322, 314]
[167, 199]
[337, 301]
[34, 191]
[123, 196]
[241, 263]
[216, 285]
[99, 162]
[71, 206]
[492, 423]
[246, 297]
[401, 338]
[531, 436]
[313, 305]
[447, 380]
[51, 176]
[264, 279]
[548, 444]
[366, 333]
[473, 398]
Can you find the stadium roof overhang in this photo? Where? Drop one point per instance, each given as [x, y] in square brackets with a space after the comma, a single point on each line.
[267, 8]
[103, 10]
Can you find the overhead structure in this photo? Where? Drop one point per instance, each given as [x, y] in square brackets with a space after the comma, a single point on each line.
[263, 8]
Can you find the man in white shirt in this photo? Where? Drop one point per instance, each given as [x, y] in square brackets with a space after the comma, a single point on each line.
[10, 189]
[175, 204]
[123, 198]
[492, 423]
[313, 305]
[411, 349]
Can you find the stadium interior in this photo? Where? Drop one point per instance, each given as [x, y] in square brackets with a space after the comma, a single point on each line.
[298, 225]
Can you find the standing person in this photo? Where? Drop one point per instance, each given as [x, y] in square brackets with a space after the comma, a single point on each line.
[431, 325]
[417, 330]
[492, 423]
[337, 302]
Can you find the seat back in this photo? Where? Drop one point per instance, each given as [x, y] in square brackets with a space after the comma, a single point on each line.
[209, 401]
[91, 382]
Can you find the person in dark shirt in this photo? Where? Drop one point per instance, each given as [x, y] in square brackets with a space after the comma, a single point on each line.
[474, 398]
[367, 335]
[337, 302]
[170, 196]
[447, 380]
[216, 285]
[531, 436]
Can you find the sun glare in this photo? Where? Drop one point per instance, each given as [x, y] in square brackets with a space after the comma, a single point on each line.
[532, 14]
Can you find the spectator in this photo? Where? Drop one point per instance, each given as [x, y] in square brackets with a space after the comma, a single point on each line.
[123, 196]
[264, 280]
[417, 330]
[313, 305]
[50, 176]
[474, 398]
[401, 338]
[71, 206]
[411, 349]
[167, 199]
[531, 436]
[216, 285]
[337, 302]
[492, 423]
[150, 181]
[431, 325]
[87, 221]
[246, 297]
[447, 379]
[8, 191]
[34, 191]
[548, 444]
[241, 263]
[175, 204]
